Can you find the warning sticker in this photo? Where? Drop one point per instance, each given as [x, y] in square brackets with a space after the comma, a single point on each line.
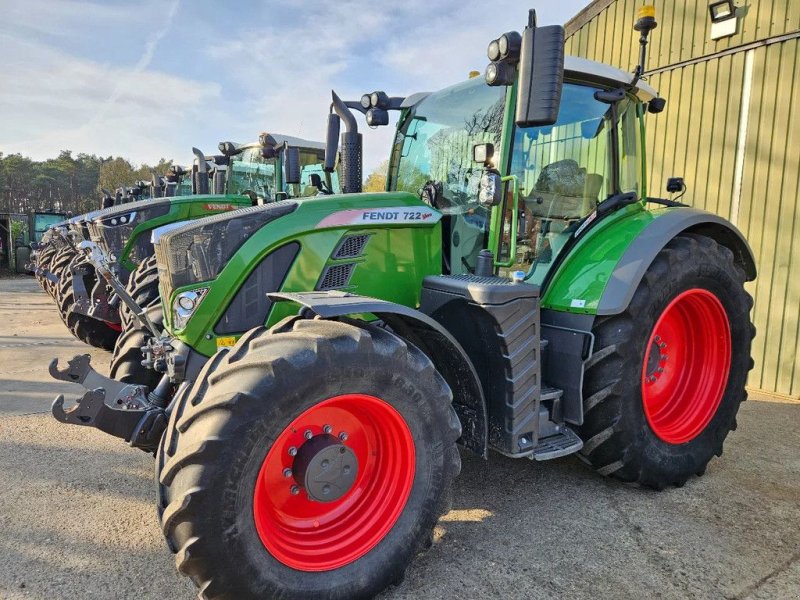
[401, 215]
[226, 342]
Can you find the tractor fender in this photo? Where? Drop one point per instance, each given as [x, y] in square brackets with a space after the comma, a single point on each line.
[435, 341]
[641, 252]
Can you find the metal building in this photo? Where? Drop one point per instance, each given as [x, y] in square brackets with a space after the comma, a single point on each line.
[730, 71]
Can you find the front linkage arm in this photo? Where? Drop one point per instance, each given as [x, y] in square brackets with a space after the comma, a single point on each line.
[123, 410]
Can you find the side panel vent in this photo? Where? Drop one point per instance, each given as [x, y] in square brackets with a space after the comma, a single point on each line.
[351, 246]
[336, 276]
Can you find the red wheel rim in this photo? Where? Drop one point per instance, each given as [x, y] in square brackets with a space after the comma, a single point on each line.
[686, 366]
[310, 535]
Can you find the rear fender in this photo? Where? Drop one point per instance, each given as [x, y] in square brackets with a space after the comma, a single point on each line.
[603, 271]
[429, 336]
[640, 254]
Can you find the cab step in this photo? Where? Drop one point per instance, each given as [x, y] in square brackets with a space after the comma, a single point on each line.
[556, 446]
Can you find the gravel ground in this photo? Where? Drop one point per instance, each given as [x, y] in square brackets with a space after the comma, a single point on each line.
[77, 517]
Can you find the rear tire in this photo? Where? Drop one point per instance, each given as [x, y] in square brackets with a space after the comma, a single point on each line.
[143, 287]
[217, 464]
[664, 384]
[126, 362]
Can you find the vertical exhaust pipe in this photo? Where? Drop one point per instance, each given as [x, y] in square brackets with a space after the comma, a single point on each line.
[200, 175]
[351, 151]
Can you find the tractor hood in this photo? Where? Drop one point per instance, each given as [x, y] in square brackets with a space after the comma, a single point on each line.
[111, 228]
[199, 250]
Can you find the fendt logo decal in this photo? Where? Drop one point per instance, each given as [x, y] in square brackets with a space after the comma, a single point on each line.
[401, 215]
[219, 206]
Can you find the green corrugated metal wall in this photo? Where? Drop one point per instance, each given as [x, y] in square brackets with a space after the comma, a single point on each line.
[698, 137]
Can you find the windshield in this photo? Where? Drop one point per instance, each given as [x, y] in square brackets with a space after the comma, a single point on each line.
[313, 179]
[433, 147]
[251, 172]
[564, 172]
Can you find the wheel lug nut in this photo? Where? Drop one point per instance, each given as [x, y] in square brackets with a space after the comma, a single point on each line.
[326, 489]
[287, 472]
[308, 435]
[657, 339]
[343, 436]
[660, 369]
[662, 345]
[325, 464]
[295, 490]
[327, 429]
[664, 357]
[346, 469]
[292, 451]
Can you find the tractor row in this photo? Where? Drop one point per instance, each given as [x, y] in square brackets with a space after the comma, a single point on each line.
[305, 368]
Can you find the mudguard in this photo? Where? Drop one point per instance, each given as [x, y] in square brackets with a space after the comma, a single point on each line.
[603, 270]
[643, 249]
[429, 336]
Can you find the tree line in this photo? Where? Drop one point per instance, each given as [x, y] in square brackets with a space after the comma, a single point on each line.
[66, 183]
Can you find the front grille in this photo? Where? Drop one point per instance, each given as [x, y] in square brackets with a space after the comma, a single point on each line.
[351, 246]
[336, 276]
[162, 262]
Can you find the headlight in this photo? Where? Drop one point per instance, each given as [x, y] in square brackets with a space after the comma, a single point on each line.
[184, 306]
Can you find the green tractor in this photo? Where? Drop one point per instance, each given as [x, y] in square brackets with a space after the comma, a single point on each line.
[515, 289]
[55, 246]
[243, 175]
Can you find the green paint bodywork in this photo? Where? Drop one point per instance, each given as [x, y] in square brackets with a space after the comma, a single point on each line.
[182, 208]
[580, 280]
[398, 257]
[394, 262]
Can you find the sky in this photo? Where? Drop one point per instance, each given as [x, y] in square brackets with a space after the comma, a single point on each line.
[151, 78]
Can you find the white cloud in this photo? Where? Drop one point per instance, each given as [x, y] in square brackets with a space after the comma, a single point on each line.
[82, 74]
[57, 101]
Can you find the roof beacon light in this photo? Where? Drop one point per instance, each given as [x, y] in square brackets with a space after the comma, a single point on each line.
[645, 23]
[646, 18]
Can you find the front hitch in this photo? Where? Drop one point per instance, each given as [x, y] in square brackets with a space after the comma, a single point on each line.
[123, 410]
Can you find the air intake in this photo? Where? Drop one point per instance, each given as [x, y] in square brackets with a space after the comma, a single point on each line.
[336, 276]
[351, 246]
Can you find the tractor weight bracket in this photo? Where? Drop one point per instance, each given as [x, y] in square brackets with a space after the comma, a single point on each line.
[119, 409]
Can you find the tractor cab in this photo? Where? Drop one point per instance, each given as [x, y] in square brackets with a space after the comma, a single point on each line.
[276, 167]
[557, 174]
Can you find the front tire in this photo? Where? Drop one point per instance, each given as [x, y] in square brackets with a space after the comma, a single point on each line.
[126, 361]
[93, 332]
[234, 502]
[664, 384]
[143, 287]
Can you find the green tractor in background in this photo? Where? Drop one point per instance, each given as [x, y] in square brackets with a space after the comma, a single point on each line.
[242, 175]
[515, 289]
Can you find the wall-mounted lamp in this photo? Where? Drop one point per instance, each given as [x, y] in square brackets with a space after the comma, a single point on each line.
[723, 19]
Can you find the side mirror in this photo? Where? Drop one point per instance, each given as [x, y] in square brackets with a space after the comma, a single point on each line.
[541, 75]
[483, 153]
[268, 152]
[332, 142]
[675, 184]
[291, 165]
[490, 193]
